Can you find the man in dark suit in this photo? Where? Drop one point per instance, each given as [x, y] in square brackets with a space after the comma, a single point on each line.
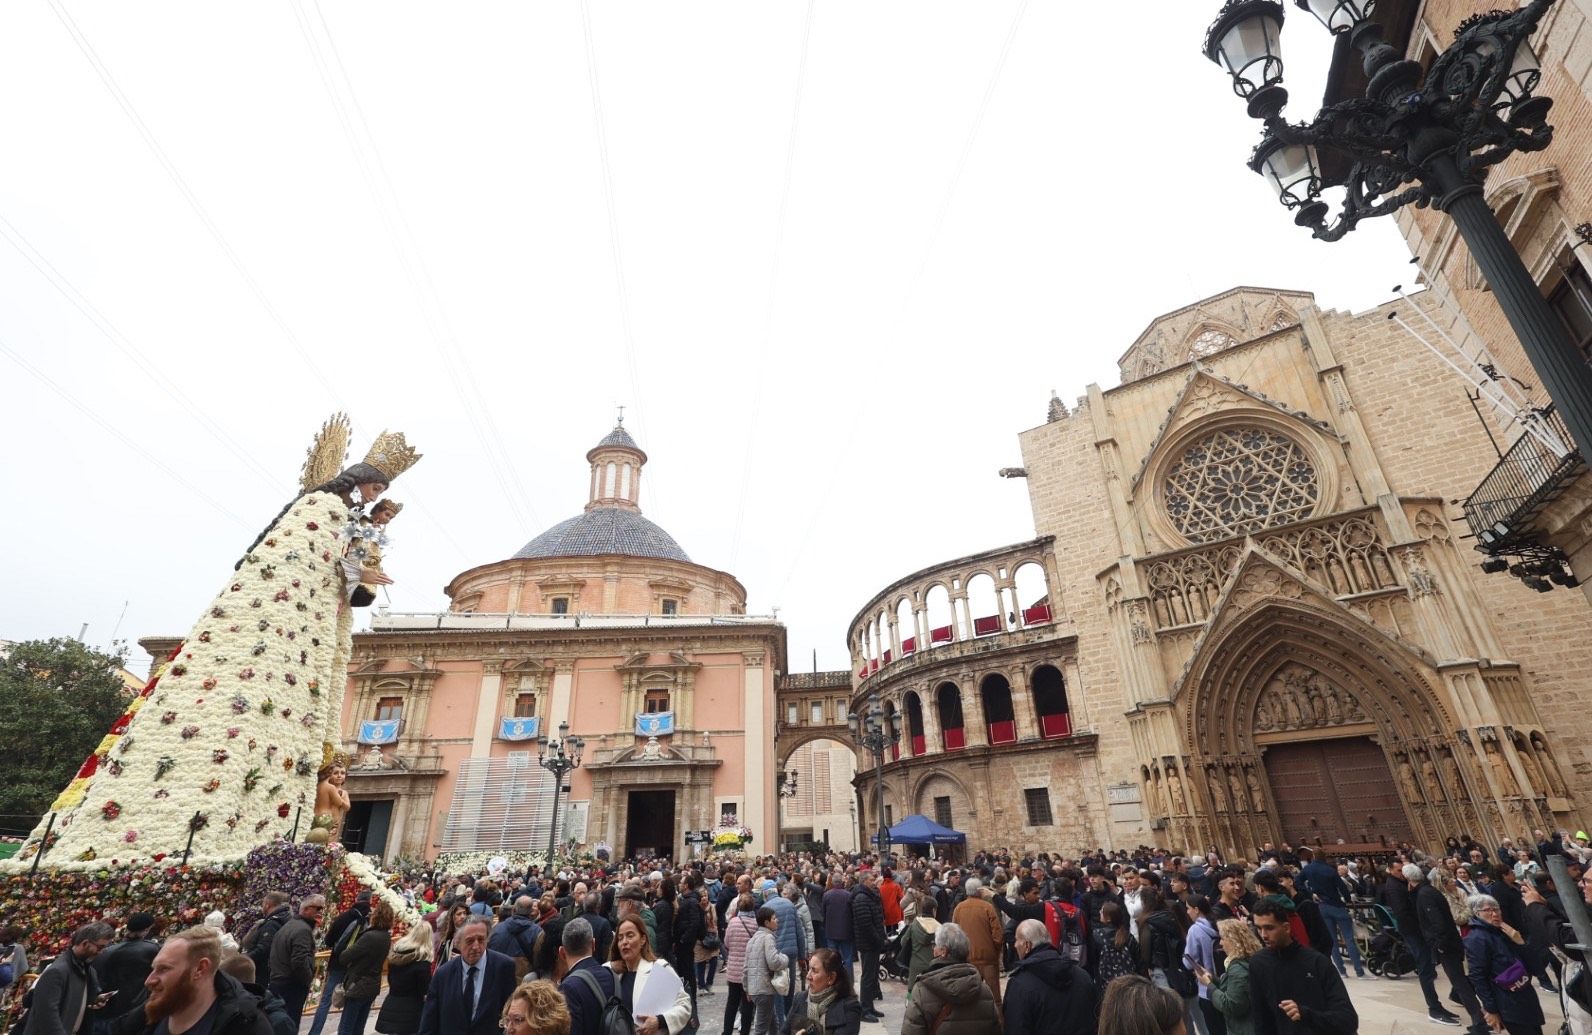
[575, 959]
[468, 992]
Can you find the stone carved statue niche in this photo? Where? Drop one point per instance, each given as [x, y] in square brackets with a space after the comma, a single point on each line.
[1299, 698]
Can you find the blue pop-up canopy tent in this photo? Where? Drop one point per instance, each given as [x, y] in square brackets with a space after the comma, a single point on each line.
[921, 830]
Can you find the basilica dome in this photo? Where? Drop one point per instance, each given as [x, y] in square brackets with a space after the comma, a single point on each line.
[604, 530]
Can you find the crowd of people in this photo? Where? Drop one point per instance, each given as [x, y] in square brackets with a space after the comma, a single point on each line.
[1118, 943]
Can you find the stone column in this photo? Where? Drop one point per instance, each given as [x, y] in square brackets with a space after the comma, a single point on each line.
[486, 708]
[1023, 708]
[758, 760]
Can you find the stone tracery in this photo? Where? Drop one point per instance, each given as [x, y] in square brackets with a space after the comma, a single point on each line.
[1238, 480]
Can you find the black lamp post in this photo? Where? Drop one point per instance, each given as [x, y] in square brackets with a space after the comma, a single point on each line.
[870, 732]
[1416, 137]
[787, 787]
[559, 757]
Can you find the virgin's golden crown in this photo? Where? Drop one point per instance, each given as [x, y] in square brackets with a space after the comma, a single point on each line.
[391, 455]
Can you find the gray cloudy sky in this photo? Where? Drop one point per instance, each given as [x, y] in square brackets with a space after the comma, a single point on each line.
[832, 256]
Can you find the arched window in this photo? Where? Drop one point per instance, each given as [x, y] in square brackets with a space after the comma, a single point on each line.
[940, 619]
[1033, 595]
[906, 626]
[998, 715]
[882, 624]
[1208, 342]
[624, 481]
[948, 703]
[1050, 702]
[610, 478]
[983, 606]
[914, 709]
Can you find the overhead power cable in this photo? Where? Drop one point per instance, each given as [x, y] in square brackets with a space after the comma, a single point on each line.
[411, 260]
[773, 286]
[968, 141]
[109, 81]
[112, 430]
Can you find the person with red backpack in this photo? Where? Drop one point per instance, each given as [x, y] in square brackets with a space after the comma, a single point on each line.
[1066, 923]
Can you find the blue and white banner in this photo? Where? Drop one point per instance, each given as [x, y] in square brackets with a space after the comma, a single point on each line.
[655, 724]
[514, 727]
[379, 731]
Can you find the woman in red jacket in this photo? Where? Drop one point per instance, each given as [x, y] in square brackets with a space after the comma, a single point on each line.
[890, 893]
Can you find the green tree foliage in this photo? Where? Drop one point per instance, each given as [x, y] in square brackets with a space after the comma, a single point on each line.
[58, 699]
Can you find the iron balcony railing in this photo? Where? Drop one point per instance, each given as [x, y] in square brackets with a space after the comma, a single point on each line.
[1528, 477]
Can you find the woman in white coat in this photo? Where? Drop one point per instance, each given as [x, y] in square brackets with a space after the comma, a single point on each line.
[634, 966]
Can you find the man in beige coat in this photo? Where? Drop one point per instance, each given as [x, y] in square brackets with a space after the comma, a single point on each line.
[985, 936]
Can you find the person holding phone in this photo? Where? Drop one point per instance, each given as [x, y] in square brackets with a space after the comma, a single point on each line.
[1199, 954]
[68, 987]
[1230, 993]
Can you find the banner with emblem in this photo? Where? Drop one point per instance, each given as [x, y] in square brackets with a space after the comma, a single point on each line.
[379, 731]
[519, 727]
[654, 724]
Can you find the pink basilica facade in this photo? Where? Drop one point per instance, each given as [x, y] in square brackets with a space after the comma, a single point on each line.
[602, 622]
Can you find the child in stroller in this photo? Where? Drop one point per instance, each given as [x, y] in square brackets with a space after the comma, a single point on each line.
[1385, 952]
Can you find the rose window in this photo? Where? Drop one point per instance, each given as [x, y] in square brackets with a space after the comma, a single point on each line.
[1239, 480]
[1210, 342]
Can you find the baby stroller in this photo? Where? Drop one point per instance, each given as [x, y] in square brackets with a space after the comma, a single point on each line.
[1385, 953]
[891, 968]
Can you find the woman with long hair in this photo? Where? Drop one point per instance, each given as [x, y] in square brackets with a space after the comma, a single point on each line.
[1134, 1005]
[1116, 950]
[454, 919]
[1229, 994]
[633, 963]
[1161, 952]
[826, 1004]
[705, 959]
[408, 979]
[362, 962]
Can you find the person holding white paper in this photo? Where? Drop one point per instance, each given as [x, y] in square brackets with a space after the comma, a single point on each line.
[648, 986]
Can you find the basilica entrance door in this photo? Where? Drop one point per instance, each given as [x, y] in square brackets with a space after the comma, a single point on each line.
[1336, 788]
[649, 825]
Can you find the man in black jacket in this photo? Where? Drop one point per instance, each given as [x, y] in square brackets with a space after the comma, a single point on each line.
[1441, 934]
[123, 967]
[1395, 897]
[292, 965]
[867, 931]
[348, 922]
[689, 927]
[186, 988]
[1295, 989]
[274, 912]
[1046, 993]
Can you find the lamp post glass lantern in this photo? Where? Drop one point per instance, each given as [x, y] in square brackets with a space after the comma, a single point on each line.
[873, 734]
[559, 757]
[1422, 136]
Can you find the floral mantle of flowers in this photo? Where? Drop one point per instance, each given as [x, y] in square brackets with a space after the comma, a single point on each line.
[360, 872]
[224, 741]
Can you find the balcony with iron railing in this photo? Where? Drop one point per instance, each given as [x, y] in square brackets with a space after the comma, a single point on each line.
[1529, 475]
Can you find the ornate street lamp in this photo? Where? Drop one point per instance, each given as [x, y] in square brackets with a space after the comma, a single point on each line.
[787, 788]
[1416, 137]
[871, 733]
[559, 757]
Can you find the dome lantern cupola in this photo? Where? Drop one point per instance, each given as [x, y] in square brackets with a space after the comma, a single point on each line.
[616, 464]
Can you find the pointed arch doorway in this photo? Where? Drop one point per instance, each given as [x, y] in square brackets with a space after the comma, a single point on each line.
[1306, 722]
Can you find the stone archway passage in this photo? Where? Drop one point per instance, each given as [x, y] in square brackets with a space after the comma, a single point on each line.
[649, 830]
[1335, 788]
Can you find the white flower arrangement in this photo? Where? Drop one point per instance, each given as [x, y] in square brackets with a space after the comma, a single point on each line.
[228, 742]
[476, 862]
[365, 871]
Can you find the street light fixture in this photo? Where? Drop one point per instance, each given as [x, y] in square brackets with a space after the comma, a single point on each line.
[1421, 137]
[871, 733]
[559, 757]
[787, 788]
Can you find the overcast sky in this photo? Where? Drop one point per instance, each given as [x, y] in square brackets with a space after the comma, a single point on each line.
[832, 257]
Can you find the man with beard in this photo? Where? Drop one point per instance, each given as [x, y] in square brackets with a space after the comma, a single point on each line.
[123, 967]
[189, 995]
[68, 988]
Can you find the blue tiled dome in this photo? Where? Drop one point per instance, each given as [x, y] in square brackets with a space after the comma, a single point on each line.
[604, 530]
